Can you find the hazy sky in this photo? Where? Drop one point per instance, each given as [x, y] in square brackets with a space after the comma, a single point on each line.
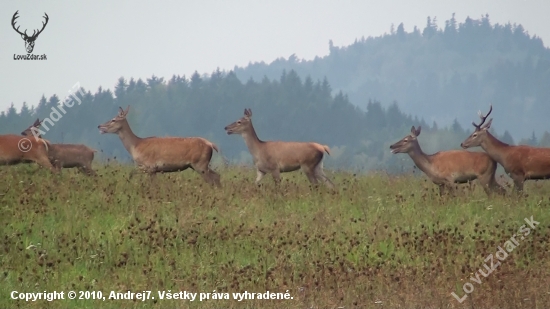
[96, 42]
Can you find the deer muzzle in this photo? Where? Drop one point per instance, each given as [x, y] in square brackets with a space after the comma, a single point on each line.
[102, 129]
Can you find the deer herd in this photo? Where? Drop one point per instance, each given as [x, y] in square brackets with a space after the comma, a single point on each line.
[154, 155]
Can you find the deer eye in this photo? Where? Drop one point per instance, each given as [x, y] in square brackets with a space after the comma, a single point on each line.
[239, 122]
[474, 135]
[406, 140]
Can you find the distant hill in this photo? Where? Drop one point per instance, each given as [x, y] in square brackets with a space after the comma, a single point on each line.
[438, 73]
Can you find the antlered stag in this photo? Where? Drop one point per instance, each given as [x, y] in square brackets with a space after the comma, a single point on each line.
[520, 162]
[445, 168]
[277, 157]
[15, 149]
[164, 154]
[66, 155]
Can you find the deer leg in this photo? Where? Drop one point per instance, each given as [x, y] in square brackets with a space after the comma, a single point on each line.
[486, 187]
[327, 181]
[518, 182]
[312, 177]
[441, 189]
[486, 183]
[45, 162]
[490, 184]
[215, 178]
[86, 169]
[90, 172]
[259, 176]
[206, 176]
[320, 174]
[58, 165]
[276, 176]
[152, 176]
[494, 187]
[203, 171]
[451, 189]
[211, 177]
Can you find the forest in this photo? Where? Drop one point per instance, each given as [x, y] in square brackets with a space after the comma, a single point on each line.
[438, 73]
[357, 100]
[284, 109]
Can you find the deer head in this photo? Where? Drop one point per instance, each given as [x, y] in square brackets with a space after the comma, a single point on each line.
[241, 125]
[407, 143]
[114, 125]
[33, 129]
[29, 40]
[480, 132]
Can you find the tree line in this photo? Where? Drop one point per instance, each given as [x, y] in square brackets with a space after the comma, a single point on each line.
[287, 108]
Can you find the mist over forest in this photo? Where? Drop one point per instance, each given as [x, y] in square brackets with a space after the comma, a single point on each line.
[444, 71]
[357, 100]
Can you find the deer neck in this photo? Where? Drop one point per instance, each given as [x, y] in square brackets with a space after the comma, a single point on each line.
[128, 138]
[420, 159]
[252, 142]
[494, 148]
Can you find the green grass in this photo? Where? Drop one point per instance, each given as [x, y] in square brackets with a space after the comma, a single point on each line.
[379, 241]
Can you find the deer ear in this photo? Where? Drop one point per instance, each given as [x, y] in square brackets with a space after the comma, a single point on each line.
[36, 122]
[127, 110]
[487, 126]
[413, 130]
[248, 112]
[417, 133]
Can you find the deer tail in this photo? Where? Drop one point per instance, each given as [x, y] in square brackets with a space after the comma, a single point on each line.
[322, 148]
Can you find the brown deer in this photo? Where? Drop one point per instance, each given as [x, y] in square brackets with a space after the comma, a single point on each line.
[66, 155]
[164, 154]
[446, 168]
[520, 162]
[277, 157]
[15, 149]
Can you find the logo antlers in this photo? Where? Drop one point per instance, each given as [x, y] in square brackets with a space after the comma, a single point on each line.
[29, 40]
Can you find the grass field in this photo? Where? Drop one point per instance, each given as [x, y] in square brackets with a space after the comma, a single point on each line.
[379, 242]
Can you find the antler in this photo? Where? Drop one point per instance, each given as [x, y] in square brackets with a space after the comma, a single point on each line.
[43, 26]
[13, 24]
[483, 118]
[34, 33]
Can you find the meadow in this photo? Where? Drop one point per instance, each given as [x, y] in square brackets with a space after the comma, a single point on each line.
[379, 241]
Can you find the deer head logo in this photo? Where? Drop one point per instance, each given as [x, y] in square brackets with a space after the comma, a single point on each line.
[29, 40]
